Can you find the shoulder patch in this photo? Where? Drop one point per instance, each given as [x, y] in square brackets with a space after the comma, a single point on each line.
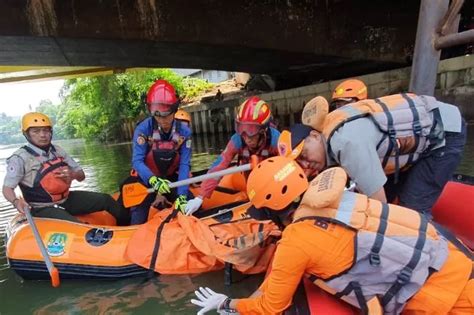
[11, 168]
[181, 140]
[188, 143]
[141, 140]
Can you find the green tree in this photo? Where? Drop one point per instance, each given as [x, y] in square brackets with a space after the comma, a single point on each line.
[94, 108]
[10, 130]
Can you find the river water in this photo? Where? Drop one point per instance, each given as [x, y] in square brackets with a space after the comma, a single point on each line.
[106, 166]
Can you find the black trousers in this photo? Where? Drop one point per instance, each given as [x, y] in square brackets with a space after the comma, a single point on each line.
[84, 202]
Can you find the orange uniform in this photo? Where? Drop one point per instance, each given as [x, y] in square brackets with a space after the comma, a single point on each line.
[327, 249]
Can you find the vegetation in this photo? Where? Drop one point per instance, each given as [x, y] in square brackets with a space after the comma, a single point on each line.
[94, 108]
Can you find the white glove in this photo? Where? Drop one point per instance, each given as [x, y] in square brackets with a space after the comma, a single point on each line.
[193, 205]
[208, 300]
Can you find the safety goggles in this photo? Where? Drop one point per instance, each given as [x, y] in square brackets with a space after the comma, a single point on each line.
[249, 129]
[162, 110]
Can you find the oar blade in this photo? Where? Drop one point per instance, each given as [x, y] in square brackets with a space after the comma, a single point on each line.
[55, 282]
[133, 194]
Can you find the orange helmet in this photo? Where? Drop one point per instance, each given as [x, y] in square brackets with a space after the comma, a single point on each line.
[162, 99]
[351, 88]
[253, 116]
[183, 115]
[275, 183]
[35, 119]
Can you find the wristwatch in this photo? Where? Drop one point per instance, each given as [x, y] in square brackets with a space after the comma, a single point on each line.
[226, 306]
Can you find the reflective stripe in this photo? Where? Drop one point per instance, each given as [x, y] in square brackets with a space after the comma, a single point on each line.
[346, 207]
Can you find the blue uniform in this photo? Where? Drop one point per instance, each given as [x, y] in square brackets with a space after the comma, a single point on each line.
[146, 133]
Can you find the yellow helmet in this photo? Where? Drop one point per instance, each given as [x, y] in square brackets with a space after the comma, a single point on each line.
[35, 119]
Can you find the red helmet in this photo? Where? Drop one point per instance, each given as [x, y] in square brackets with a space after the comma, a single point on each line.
[161, 99]
[253, 116]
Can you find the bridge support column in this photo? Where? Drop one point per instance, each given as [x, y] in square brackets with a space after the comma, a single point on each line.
[426, 57]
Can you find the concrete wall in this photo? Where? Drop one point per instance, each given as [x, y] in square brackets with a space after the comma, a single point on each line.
[455, 85]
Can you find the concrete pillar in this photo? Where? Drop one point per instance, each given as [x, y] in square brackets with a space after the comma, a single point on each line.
[426, 57]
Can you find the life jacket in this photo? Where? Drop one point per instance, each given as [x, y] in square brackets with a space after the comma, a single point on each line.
[396, 249]
[173, 243]
[163, 156]
[46, 187]
[411, 125]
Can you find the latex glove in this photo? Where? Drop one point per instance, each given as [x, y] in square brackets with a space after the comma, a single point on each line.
[160, 185]
[208, 300]
[180, 203]
[193, 205]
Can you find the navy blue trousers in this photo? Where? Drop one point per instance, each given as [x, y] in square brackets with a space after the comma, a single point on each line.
[420, 186]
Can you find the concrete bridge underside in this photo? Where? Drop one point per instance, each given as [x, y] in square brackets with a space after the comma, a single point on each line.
[315, 39]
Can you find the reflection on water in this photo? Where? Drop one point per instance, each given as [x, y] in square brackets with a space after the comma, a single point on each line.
[105, 167]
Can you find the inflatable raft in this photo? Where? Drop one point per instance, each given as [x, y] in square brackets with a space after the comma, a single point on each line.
[97, 248]
[454, 210]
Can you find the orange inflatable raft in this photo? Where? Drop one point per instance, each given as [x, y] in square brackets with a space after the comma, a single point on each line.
[98, 249]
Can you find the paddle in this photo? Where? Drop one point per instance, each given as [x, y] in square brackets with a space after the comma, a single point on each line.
[135, 193]
[53, 272]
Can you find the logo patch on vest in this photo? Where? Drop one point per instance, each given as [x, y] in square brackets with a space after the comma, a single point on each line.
[141, 140]
[188, 144]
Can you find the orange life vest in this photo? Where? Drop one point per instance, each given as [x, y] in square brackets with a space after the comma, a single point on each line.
[47, 187]
[396, 249]
[409, 124]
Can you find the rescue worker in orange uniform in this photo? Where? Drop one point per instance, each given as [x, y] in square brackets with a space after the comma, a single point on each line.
[161, 152]
[348, 91]
[398, 146]
[44, 173]
[379, 257]
[254, 136]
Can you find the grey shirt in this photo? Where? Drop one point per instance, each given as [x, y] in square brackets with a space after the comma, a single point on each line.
[17, 172]
[353, 147]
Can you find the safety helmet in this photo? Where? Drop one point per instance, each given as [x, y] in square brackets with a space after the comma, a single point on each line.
[161, 99]
[351, 88]
[35, 119]
[275, 183]
[253, 116]
[183, 115]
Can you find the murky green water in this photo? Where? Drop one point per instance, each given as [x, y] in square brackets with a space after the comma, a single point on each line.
[105, 166]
